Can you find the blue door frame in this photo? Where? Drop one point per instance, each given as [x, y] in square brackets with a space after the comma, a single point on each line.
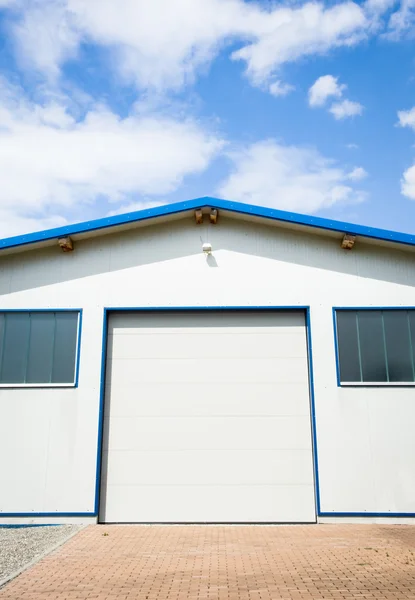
[109, 310]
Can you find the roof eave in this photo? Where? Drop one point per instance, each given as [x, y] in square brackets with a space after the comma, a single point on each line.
[226, 205]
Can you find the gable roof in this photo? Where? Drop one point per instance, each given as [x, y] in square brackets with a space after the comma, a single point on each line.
[247, 210]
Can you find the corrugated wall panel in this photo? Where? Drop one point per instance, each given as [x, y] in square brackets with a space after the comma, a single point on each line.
[365, 438]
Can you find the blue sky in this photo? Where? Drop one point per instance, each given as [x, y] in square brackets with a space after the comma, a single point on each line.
[110, 106]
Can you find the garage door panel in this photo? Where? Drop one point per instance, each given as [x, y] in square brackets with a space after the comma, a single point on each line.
[211, 399]
[227, 504]
[210, 467]
[217, 432]
[207, 418]
[221, 370]
[166, 322]
[187, 345]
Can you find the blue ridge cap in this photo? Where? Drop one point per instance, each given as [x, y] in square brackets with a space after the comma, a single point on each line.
[237, 207]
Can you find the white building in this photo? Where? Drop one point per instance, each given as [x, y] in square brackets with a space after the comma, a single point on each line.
[143, 379]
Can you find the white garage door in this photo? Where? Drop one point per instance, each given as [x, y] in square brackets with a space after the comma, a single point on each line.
[207, 418]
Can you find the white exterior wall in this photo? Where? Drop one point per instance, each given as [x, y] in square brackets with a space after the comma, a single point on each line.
[48, 437]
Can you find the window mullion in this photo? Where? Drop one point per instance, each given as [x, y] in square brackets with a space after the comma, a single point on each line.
[384, 347]
[3, 343]
[53, 348]
[358, 347]
[27, 350]
[411, 349]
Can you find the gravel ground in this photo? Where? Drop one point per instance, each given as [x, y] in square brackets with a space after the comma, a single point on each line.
[19, 546]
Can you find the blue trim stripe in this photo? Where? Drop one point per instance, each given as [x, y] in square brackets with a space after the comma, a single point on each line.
[101, 412]
[78, 348]
[313, 409]
[203, 308]
[236, 207]
[25, 525]
[336, 347]
[373, 308]
[367, 514]
[2, 310]
[48, 514]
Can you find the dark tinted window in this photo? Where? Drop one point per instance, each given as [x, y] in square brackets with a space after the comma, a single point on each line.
[376, 346]
[38, 347]
[372, 346]
[349, 348]
[398, 346]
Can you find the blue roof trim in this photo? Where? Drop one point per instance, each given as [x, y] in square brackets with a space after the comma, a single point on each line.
[238, 207]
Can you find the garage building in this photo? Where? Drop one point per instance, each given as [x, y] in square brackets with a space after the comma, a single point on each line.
[207, 362]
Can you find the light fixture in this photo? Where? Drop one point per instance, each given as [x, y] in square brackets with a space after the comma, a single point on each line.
[207, 248]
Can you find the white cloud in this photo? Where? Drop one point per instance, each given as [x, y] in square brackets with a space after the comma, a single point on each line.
[46, 36]
[288, 177]
[352, 146]
[323, 88]
[278, 88]
[134, 206]
[402, 21]
[408, 183]
[12, 223]
[379, 6]
[357, 174]
[346, 108]
[326, 87]
[289, 33]
[159, 44]
[50, 162]
[164, 44]
[407, 118]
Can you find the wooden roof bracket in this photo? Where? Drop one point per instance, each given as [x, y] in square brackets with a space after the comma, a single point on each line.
[66, 244]
[214, 214]
[348, 241]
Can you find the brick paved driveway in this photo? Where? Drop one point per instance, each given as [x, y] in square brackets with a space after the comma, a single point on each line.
[234, 562]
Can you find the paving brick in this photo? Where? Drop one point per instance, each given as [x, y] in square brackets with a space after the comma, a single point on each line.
[314, 562]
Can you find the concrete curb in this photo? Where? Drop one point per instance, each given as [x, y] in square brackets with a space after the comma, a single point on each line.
[38, 558]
